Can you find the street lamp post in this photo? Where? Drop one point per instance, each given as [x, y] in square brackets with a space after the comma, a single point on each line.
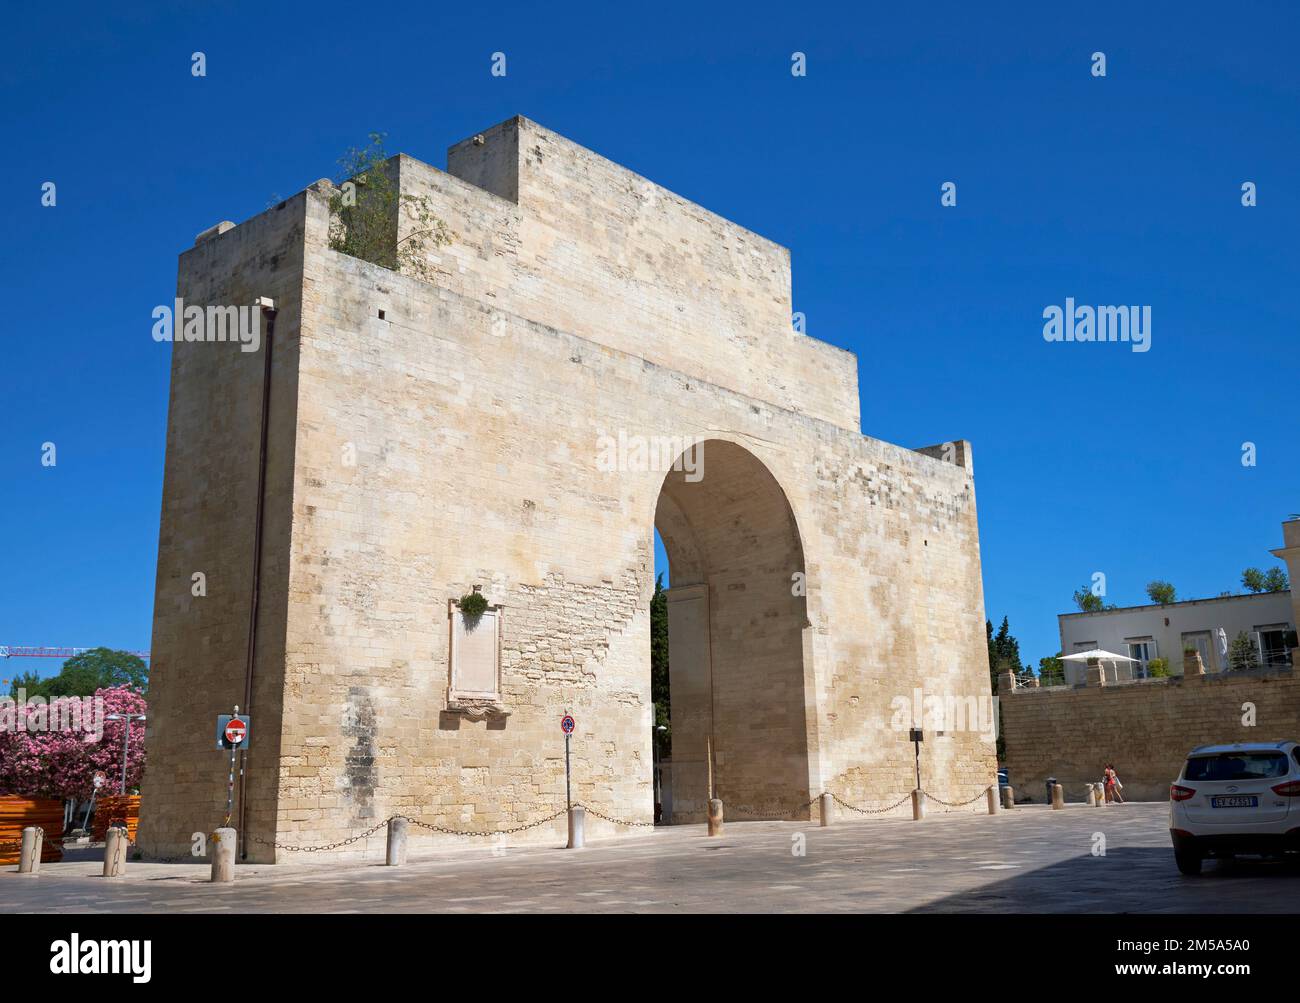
[126, 737]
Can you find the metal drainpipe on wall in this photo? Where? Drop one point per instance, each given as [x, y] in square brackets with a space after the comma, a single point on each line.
[268, 309]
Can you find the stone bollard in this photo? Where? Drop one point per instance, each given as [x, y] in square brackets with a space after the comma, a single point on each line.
[715, 816]
[224, 841]
[918, 805]
[577, 824]
[396, 842]
[828, 809]
[29, 861]
[1008, 797]
[993, 799]
[1091, 798]
[1058, 796]
[115, 844]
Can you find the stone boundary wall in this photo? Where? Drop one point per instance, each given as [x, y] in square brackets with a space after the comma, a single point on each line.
[1145, 728]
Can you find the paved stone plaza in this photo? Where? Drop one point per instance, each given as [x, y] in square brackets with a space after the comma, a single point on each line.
[1028, 860]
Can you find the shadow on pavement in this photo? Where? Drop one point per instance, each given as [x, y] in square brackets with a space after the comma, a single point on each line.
[1130, 880]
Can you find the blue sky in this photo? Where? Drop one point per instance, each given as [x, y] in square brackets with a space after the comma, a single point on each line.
[1124, 189]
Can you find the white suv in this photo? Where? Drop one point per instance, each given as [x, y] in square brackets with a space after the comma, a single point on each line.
[1230, 799]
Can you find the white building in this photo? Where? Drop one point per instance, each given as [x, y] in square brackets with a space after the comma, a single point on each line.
[1208, 625]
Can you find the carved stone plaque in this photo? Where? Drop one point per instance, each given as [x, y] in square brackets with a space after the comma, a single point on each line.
[475, 679]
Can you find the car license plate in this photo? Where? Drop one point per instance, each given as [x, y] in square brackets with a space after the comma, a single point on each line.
[1239, 802]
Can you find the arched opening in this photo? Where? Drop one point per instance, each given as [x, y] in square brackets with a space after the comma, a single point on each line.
[737, 614]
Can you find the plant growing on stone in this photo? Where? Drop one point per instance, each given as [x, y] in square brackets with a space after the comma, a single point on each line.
[365, 211]
[1159, 668]
[473, 605]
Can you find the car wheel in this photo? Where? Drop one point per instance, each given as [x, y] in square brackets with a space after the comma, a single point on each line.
[1188, 861]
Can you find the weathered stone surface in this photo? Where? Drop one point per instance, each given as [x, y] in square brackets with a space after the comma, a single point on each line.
[576, 301]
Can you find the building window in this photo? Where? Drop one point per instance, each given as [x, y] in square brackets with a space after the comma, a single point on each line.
[1143, 649]
[1272, 639]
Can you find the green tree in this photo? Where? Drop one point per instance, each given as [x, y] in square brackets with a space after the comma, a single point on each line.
[1004, 655]
[1161, 592]
[1242, 654]
[1051, 671]
[29, 682]
[1003, 647]
[83, 674]
[1088, 601]
[659, 667]
[366, 210]
[1273, 580]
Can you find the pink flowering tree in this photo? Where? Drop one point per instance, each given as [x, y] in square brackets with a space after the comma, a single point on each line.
[44, 760]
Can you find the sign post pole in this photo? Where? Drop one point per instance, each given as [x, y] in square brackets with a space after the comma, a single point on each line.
[576, 815]
[230, 786]
[916, 737]
[567, 724]
[918, 797]
[232, 734]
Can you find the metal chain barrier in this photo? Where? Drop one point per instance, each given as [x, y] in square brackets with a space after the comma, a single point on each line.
[870, 811]
[326, 846]
[608, 818]
[489, 832]
[760, 811]
[431, 826]
[958, 804]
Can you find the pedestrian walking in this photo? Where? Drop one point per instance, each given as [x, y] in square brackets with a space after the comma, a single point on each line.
[1112, 786]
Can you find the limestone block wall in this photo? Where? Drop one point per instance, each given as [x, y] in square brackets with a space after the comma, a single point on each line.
[1146, 728]
[454, 442]
[476, 433]
[199, 645]
[584, 245]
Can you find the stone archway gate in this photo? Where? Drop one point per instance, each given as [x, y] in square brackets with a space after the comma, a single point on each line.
[426, 436]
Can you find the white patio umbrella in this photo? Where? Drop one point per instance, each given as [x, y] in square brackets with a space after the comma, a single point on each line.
[1100, 654]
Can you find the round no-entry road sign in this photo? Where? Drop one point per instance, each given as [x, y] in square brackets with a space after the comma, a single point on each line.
[567, 723]
[235, 731]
